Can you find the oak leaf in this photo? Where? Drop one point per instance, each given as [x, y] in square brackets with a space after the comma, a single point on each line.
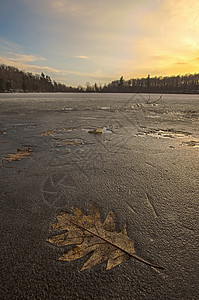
[19, 155]
[89, 234]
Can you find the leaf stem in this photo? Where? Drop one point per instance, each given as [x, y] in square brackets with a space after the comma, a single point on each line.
[146, 262]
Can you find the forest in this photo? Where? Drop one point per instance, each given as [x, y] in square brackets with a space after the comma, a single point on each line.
[15, 80]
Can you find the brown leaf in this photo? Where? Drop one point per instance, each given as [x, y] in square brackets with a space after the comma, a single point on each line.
[96, 131]
[89, 234]
[48, 133]
[19, 155]
[1, 132]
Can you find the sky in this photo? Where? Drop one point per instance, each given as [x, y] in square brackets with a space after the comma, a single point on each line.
[80, 41]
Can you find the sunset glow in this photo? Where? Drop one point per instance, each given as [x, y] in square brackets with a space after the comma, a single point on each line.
[79, 41]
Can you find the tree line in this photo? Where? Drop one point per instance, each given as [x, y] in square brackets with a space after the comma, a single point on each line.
[188, 83]
[14, 80]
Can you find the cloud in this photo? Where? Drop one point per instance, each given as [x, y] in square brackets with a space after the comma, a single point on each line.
[9, 46]
[22, 61]
[44, 68]
[22, 65]
[23, 57]
[15, 53]
[12, 54]
[81, 56]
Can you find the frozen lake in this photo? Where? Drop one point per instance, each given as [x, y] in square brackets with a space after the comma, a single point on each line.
[142, 164]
